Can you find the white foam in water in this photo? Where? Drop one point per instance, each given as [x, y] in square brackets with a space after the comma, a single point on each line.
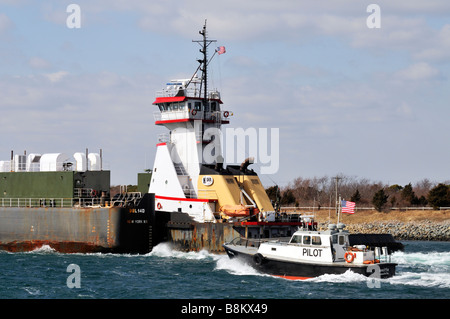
[422, 269]
[422, 279]
[44, 249]
[419, 258]
[235, 266]
[32, 291]
[223, 262]
[348, 276]
[166, 250]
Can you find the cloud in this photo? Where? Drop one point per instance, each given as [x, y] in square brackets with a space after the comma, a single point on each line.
[39, 63]
[56, 76]
[5, 23]
[63, 112]
[287, 21]
[437, 48]
[420, 71]
[405, 110]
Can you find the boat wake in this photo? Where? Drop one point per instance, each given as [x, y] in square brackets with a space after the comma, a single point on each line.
[422, 279]
[235, 266]
[166, 250]
[222, 261]
[348, 276]
[45, 249]
[422, 269]
[430, 261]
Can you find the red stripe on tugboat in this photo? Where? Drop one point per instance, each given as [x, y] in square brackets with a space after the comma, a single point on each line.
[167, 99]
[278, 223]
[187, 120]
[173, 121]
[186, 199]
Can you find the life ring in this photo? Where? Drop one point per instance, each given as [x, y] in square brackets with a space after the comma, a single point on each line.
[226, 113]
[159, 206]
[194, 112]
[93, 193]
[349, 257]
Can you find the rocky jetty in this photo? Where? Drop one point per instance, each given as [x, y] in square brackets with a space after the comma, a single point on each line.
[411, 230]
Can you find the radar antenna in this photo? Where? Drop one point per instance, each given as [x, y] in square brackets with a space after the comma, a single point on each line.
[204, 43]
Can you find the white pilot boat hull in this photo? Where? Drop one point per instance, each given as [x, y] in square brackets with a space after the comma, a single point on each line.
[311, 254]
[305, 270]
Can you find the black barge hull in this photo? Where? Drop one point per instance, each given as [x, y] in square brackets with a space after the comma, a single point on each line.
[295, 271]
[81, 230]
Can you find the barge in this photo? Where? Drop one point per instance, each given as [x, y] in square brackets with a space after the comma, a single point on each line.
[57, 200]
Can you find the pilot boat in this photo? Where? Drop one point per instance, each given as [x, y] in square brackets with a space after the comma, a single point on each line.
[311, 253]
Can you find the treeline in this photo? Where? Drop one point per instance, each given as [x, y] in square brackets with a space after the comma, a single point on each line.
[321, 191]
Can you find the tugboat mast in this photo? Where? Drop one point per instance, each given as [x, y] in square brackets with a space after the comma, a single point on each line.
[204, 61]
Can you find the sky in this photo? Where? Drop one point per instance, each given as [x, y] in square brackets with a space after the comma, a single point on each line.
[348, 98]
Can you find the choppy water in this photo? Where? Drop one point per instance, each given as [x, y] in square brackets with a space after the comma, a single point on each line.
[423, 271]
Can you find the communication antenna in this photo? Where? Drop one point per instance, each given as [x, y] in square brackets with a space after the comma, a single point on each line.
[204, 43]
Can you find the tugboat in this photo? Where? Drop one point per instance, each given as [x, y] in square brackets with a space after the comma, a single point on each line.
[200, 201]
[311, 253]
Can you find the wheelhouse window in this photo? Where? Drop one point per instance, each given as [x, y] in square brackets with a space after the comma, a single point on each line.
[198, 106]
[335, 239]
[296, 239]
[316, 240]
[306, 240]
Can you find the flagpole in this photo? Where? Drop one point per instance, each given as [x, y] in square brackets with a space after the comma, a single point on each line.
[192, 77]
[329, 211]
[339, 208]
[212, 56]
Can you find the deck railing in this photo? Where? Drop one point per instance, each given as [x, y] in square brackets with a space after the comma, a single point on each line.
[215, 116]
[256, 242]
[51, 202]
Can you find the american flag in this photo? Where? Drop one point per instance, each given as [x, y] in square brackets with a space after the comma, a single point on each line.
[348, 207]
[220, 50]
